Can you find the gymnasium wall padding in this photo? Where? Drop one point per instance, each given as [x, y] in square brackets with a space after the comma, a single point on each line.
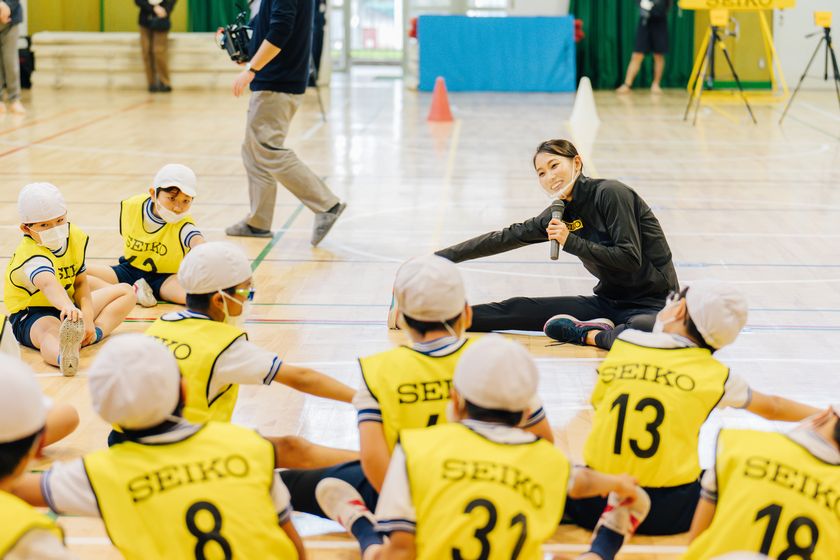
[610, 32]
[497, 54]
[209, 15]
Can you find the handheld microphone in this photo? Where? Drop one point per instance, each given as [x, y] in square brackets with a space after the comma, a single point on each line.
[557, 208]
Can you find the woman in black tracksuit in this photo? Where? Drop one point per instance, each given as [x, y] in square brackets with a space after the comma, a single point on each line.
[610, 229]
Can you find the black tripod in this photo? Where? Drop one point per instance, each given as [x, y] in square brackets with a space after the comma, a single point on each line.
[829, 51]
[709, 71]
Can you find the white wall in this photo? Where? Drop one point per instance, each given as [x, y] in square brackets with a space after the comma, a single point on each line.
[539, 7]
[789, 30]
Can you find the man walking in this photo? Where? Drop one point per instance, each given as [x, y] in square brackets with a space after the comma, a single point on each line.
[277, 74]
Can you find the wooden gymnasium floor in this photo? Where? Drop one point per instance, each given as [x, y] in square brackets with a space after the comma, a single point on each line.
[756, 205]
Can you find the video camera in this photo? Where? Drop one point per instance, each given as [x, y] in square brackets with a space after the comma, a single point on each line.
[236, 38]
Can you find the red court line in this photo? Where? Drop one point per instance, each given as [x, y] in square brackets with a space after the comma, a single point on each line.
[74, 128]
[38, 121]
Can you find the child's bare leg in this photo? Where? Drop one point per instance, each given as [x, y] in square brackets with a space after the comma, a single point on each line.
[62, 419]
[100, 276]
[44, 336]
[111, 305]
[172, 291]
[294, 452]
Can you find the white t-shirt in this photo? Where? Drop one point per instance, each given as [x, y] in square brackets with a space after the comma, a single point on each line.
[24, 276]
[241, 363]
[39, 544]
[736, 391]
[395, 509]
[67, 490]
[368, 409]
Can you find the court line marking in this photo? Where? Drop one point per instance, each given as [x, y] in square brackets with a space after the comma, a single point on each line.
[80, 126]
[275, 238]
[35, 122]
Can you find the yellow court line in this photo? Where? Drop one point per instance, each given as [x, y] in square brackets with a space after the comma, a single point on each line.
[723, 113]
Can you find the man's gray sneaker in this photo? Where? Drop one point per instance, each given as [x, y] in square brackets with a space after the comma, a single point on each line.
[242, 229]
[324, 222]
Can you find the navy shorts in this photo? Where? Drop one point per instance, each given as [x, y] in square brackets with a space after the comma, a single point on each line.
[23, 320]
[652, 37]
[302, 483]
[671, 510]
[128, 274]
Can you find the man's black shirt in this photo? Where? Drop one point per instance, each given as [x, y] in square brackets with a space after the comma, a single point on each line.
[286, 24]
[612, 231]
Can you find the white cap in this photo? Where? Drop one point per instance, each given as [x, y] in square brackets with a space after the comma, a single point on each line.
[497, 373]
[40, 202]
[176, 175]
[718, 310]
[22, 410]
[134, 382]
[429, 288]
[213, 266]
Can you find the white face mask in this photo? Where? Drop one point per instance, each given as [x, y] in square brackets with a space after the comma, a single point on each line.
[237, 320]
[168, 215]
[55, 237]
[554, 194]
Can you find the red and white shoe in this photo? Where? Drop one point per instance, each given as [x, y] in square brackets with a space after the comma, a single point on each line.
[624, 517]
[341, 502]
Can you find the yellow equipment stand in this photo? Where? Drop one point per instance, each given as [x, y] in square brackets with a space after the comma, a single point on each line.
[722, 7]
[822, 20]
[719, 20]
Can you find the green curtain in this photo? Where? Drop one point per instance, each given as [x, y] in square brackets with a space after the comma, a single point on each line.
[209, 15]
[609, 27]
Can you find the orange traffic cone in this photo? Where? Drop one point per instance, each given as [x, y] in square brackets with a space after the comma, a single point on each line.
[439, 111]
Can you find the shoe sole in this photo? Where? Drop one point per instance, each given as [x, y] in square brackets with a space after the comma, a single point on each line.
[70, 336]
[590, 323]
[341, 209]
[329, 493]
[249, 234]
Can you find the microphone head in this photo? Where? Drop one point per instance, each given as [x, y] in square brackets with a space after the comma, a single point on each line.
[558, 205]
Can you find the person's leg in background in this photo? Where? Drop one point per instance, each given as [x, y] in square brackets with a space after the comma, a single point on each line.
[638, 319]
[148, 59]
[636, 60]
[4, 30]
[659, 38]
[11, 66]
[268, 161]
[531, 314]
[160, 51]
[658, 70]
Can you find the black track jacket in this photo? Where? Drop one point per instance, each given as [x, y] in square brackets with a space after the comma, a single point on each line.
[612, 231]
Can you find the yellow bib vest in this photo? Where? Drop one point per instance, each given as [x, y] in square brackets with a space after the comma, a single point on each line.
[774, 497]
[412, 388]
[649, 406]
[207, 496]
[197, 343]
[17, 518]
[476, 498]
[160, 251]
[67, 266]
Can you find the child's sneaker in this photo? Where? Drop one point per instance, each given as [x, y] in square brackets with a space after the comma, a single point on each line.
[145, 295]
[622, 517]
[70, 336]
[341, 502]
